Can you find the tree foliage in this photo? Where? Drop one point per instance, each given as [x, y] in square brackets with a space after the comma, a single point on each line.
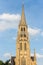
[1, 62]
[6, 63]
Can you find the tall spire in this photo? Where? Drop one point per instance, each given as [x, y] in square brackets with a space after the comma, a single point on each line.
[23, 21]
[34, 55]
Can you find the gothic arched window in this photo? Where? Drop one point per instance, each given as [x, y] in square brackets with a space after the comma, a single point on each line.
[24, 29]
[21, 29]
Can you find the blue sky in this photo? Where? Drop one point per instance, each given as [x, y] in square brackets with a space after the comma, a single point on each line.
[10, 13]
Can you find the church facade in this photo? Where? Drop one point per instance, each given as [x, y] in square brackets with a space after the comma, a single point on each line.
[23, 56]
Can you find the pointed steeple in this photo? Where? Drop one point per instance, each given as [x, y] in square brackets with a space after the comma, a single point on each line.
[35, 63]
[23, 20]
[34, 55]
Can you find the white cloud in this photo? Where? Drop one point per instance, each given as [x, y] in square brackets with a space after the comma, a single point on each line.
[33, 31]
[41, 33]
[9, 21]
[10, 17]
[14, 38]
[37, 55]
[7, 55]
[42, 49]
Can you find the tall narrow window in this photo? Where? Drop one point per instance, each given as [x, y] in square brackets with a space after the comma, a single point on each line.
[24, 46]
[24, 29]
[20, 46]
[21, 29]
[23, 61]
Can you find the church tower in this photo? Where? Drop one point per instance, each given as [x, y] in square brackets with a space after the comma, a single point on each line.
[23, 56]
[23, 44]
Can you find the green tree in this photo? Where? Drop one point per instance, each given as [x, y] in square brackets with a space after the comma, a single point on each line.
[7, 62]
[1, 62]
